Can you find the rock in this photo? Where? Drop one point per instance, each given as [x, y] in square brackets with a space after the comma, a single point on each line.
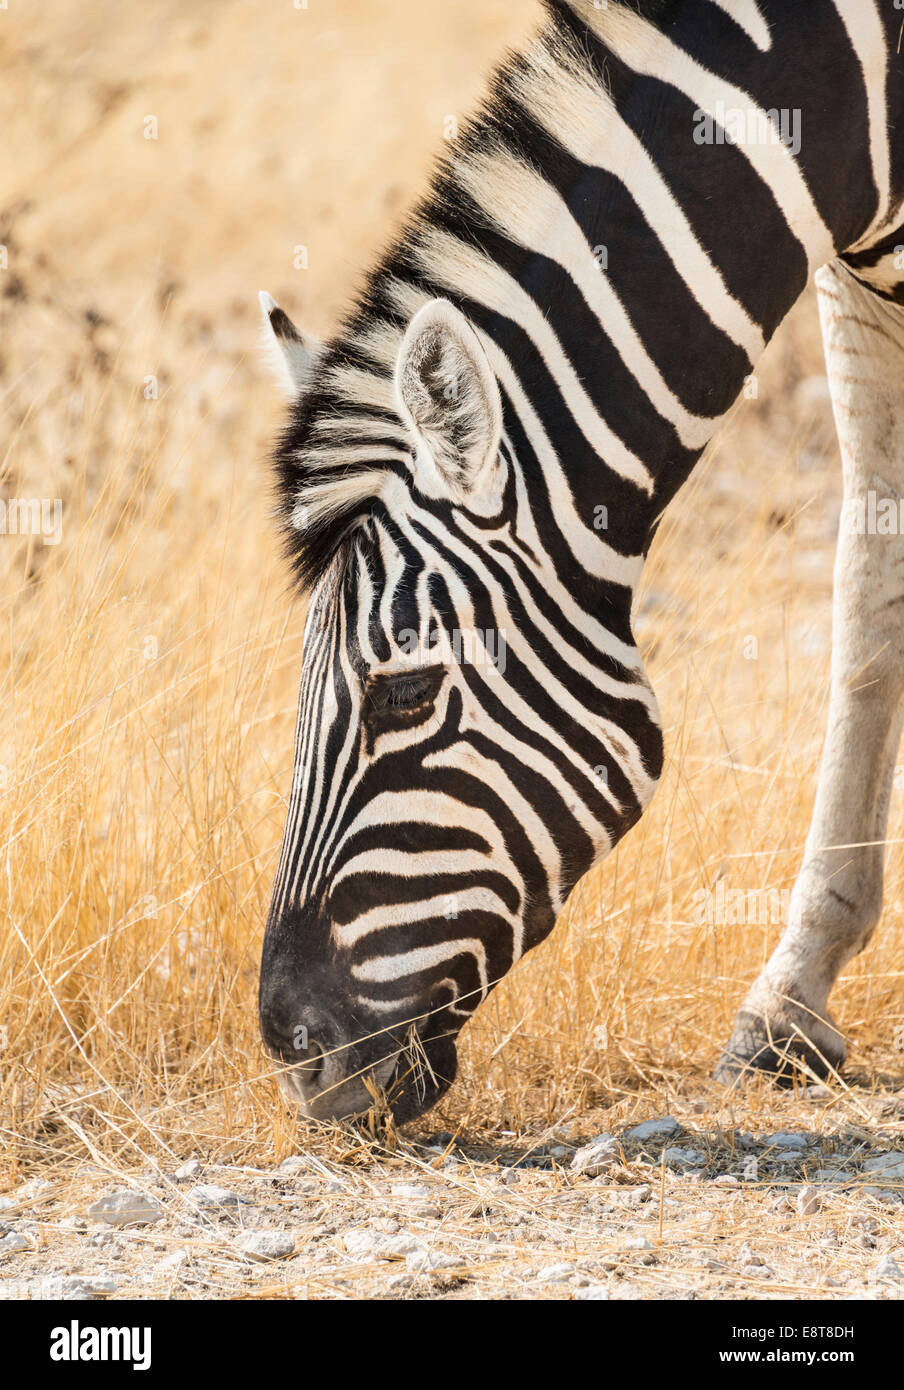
[759, 1271]
[9, 1244]
[266, 1245]
[890, 1165]
[398, 1247]
[208, 1196]
[125, 1208]
[189, 1170]
[428, 1261]
[751, 1170]
[296, 1164]
[35, 1187]
[7, 1204]
[726, 1180]
[558, 1152]
[73, 1223]
[593, 1158]
[830, 1175]
[88, 1286]
[593, 1293]
[807, 1201]
[818, 1092]
[634, 1197]
[366, 1244]
[414, 1190]
[683, 1158]
[556, 1274]
[748, 1256]
[665, 1128]
[789, 1139]
[170, 1264]
[636, 1243]
[889, 1270]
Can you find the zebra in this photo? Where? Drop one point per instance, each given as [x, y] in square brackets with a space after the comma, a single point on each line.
[484, 449]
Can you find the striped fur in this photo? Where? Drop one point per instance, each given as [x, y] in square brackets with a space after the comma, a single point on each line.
[475, 726]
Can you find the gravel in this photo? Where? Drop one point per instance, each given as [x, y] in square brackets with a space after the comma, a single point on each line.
[676, 1157]
[9, 1244]
[430, 1261]
[125, 1207]
[555, 1274]
[789, 1139]
[888, 1165]
[807, 1201]
[665, 1128]
[595, 1158]
[266, 1245]
[210, 1197]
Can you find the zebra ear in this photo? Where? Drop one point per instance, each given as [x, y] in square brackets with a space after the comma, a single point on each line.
[292, 354]
[449, 395]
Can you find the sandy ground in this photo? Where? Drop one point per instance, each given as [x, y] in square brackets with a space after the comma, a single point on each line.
[688, 1205]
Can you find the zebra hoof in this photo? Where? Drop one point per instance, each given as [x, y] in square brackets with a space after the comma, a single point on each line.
[770, 1047]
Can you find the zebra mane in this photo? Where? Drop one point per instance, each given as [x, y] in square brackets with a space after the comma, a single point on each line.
[345, 438]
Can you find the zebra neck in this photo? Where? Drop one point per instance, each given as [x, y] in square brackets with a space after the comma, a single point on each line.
[631, 217]
[627, 219]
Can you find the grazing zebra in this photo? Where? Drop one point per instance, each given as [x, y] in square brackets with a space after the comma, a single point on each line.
[469, 481]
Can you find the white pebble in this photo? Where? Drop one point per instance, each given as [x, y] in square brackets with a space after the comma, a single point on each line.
[556, 1274]
[807, 1201]
[665, 1128]
[266, 1245]
[206, 1194]
[425, 1261]
[125, 1208]
[888, 1269]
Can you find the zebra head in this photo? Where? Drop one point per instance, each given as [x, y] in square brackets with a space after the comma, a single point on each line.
[474, 725]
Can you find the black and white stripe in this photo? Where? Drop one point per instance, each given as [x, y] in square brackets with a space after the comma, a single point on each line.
[605, 284]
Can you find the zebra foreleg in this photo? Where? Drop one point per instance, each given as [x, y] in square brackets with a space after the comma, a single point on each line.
[837, 898]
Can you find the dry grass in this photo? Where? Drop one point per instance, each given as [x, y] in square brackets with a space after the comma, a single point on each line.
[150, 661]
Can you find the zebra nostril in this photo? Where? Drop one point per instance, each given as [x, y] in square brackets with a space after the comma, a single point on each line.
[310, 1064]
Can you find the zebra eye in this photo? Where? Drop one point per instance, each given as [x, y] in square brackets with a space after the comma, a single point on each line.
[408, 693]
[403, 692]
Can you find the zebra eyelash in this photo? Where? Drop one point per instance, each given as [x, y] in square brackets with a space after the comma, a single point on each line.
[402, 692]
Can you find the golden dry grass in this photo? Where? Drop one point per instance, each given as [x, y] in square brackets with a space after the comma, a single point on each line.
[150, 661]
